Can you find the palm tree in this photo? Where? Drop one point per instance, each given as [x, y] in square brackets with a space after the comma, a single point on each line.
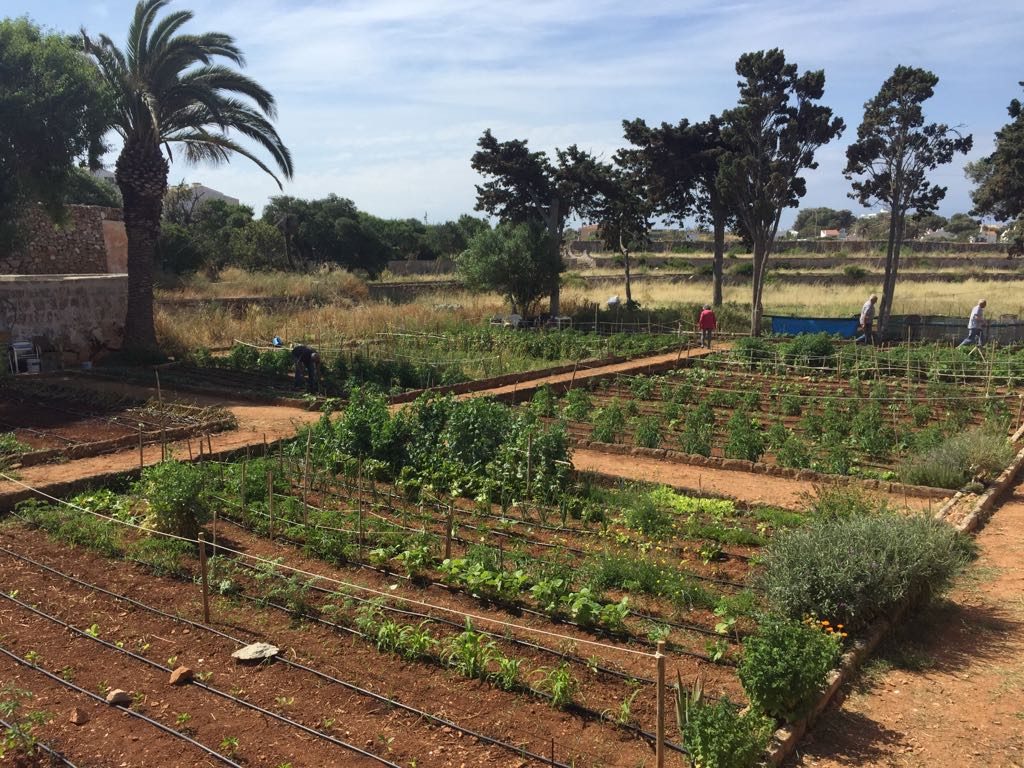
[169, 91]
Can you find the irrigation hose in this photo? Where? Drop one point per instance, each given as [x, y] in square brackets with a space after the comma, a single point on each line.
[215, 691]
[520, 751]
[166, 729]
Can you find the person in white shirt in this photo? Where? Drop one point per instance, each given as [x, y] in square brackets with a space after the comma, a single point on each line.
[867, 319]
[975, 326]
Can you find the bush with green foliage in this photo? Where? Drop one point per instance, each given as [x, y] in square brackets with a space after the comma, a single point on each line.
[852, 567]
[176, 493]
[812, 350]
[785, 665]
[979, 454]
[609, 421]
[698, 430]
[745, 438]
[647, 432]
[716, 735]
[793, 453]
[578, 405]
[752, 350]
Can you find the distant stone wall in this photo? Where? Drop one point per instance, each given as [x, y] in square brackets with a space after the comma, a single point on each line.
[425, 267]
[801, 246]
[91, 242]
[70, 318]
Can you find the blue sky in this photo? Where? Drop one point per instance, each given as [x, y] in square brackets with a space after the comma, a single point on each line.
[382, 101]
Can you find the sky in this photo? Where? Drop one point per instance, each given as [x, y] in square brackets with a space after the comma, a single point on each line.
[382, 101]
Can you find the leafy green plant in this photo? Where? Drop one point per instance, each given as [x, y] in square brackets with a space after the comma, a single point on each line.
[543, 402]
[469, 653]
[745, 439]
[698, 430]
[609, 421]
[19, 737]
[793, 452]
[647, 432]
[506, 676]
[229, 746]
[578, 405]
[784, 666]
[560, 684]
[176, 494]
[716, 735]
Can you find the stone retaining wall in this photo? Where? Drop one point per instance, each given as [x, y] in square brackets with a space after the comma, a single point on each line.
[70, 318]
[91, 242]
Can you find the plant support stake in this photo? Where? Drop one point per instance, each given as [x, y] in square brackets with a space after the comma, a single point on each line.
[142, 462]
[659, 750]
[206, 582]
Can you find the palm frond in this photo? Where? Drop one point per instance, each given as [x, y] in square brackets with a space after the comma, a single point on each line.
[138, 31]
[216, 147]
[168, 26]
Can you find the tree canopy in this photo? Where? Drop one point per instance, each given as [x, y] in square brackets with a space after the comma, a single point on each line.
[894, 152]
[175, 91]
[514, 260]
[55, 111]
[810, 221]
[770, 137]
[1000, 176]
[522, 186]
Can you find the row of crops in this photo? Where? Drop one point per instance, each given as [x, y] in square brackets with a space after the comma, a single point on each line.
[453, 571]
[934, 433]
[399, 361]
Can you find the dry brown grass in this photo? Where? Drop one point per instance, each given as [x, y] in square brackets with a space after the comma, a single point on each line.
[324, 284]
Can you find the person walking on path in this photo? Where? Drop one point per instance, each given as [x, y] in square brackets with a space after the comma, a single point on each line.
[707, 323]
[867, 320]
[975, 326]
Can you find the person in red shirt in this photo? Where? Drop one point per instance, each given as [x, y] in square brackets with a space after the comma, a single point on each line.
[707, 323]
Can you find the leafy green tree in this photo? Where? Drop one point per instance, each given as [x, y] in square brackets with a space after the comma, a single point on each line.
[962, 226]
[515, 260]
[1000, 176]
[683, 166]
[623, 208]
[55, 111]
[85, 189]
[258, 245]
[810, 221]
[893, 154]
[178, 250]
[170, 90]
[771, 136]
[524, 186]
[330, 230]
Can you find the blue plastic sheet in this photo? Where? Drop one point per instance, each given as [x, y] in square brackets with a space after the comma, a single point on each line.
[794, 326]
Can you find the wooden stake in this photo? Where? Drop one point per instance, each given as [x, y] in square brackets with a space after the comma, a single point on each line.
[142, 462]
[206, 581]
[270, 501]
[448, 533]
[159, 394]
[659, 752]
[305, 481]
[188, 440]
[209, 444]
[163, 444]
[529, 459]
[242, 489]
[215, 530]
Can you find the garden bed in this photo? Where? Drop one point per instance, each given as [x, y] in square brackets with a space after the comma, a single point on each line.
[55, 422]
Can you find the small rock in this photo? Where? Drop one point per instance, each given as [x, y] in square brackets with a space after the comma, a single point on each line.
[79, 716]
[181, 676]
[255, 652]
[119, 698]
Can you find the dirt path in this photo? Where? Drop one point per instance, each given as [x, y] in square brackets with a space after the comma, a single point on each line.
[949, 692]
[743, 486]
[651, 364]
[254, 423]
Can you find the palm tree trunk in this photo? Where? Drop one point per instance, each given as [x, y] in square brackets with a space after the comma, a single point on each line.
[141, 173]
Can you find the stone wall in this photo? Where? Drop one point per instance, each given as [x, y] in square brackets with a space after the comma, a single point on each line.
[70, 318]
[91, 242]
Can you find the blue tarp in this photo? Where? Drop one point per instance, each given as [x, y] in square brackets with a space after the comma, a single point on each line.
[794, 326]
